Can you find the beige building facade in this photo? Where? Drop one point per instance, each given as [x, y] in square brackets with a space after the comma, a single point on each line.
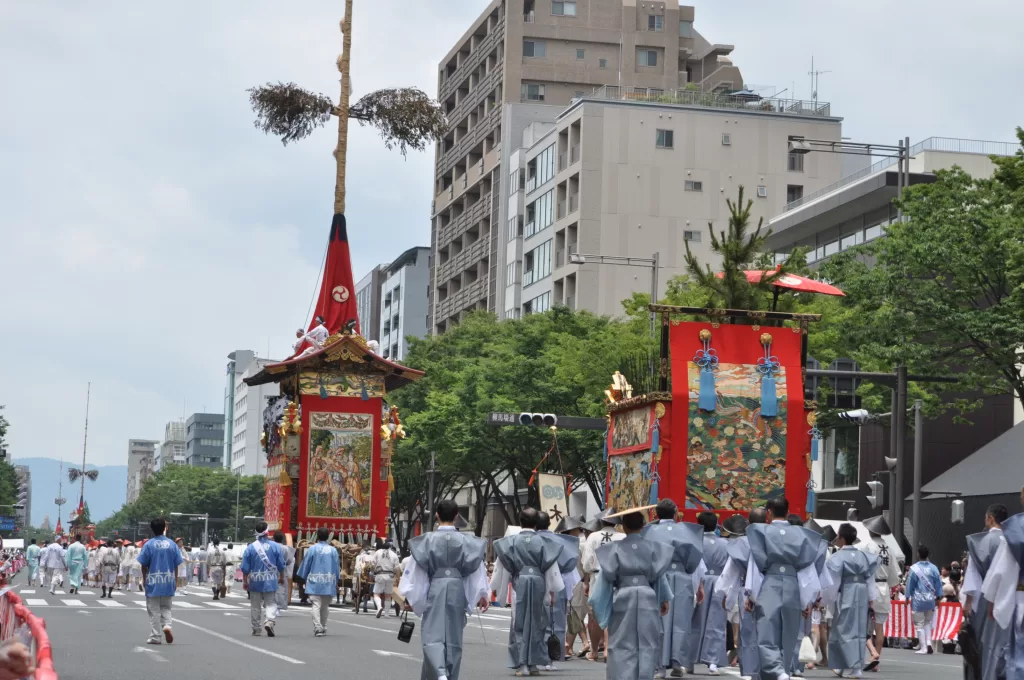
[523, 62]
[631, 173]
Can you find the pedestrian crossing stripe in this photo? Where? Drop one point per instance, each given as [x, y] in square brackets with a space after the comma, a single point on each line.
[28, 591]
[220, 604]
[110, 603]
[73, 603]
[36, 603]
[186, 605]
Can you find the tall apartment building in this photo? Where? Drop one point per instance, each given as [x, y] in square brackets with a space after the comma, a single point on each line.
[403, 305]
[24, 496]
[172, 448]
[204, 440]
[520, 62]
[368, 303]
[243, 414]
[141, 454]
[633, 172]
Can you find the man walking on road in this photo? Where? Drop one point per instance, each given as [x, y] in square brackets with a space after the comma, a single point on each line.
[320, 571]
[77, 559]
[924, 590]
[385, 562]
[263, 566]
[159, 559]
[110, 564]
[52, 560]
[215, 563]
[32, 557]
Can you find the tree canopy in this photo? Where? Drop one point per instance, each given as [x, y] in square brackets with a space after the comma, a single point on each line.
[558, 362]
[186, 489]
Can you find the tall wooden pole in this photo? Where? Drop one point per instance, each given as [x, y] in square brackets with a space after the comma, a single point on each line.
[85, 442]
[344, 66]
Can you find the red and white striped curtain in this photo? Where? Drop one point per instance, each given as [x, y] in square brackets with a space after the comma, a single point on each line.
[946, 625]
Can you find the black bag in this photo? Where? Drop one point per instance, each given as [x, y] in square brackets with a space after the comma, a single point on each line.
[406, 628]
[554, 647]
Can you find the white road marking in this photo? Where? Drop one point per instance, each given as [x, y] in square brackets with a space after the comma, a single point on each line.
[156, 656]
[187, 605]
[73, 603]
[28, 591]
[221, 605]
[232, 640]
[31, 602]
[359, 625]
[111, 603]
[400, 655]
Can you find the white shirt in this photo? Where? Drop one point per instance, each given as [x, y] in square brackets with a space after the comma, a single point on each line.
[318, 335]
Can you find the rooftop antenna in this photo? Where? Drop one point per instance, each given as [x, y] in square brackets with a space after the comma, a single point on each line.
[814, 81]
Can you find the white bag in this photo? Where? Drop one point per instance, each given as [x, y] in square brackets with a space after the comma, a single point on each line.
[808, 654]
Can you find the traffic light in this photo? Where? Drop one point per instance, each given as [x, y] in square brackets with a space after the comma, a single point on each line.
[876, 495]
[852, 515]
[859, 416]
[538, 419]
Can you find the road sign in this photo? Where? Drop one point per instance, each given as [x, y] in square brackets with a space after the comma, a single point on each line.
[7, 523]
[498, 419]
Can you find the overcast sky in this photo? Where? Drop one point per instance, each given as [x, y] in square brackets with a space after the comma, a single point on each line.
[147, 229]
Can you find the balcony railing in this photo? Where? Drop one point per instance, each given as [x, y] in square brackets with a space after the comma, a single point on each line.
[531, 184]
[574, 155]
[529, 18]
[561, 209]
[574, 203]
[713, 100]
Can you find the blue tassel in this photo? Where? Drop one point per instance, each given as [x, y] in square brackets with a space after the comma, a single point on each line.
[656, 438]
[654, 491]
[769, 399]
[810, 500]
[814, 448]
[604, 447]
[323, 390]
[706, 398]
[366, 397]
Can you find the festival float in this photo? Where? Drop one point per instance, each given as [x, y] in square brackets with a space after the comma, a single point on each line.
[728, 428]
[329, 437]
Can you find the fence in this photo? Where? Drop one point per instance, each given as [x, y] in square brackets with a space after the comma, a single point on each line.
[946, 625]
[17, 622]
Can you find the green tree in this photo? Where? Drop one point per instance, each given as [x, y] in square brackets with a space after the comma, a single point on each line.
[558, 362]
[944, 290]
[188, 490]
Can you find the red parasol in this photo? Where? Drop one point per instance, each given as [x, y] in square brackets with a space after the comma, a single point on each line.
[792, 282]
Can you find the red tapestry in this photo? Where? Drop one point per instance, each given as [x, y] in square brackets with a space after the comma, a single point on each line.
[737, 459]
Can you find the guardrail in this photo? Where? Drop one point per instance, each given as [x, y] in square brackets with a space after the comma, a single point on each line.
[17, 622]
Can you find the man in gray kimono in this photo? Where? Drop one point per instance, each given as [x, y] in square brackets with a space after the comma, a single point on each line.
[568, 559]
[684, 577]
[1002, 589]
[852, 573]
[530, 562]
[730, 584]
[445, 577]
[992, 640]
[707, 641]
[630, 597]
[781, 585]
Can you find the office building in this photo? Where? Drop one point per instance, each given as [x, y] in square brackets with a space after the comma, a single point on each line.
[522, 62]
[368, 303]
[172, 448]
[141, 455]
[204, 440]
[243, 413]
[634, 173]
[403, 306]
[858, 209]
[24, 495]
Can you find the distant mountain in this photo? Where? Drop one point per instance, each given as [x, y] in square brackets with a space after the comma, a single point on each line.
[105, 496]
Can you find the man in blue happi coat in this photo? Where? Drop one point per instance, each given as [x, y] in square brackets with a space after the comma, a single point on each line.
[320, 571]
[159, 558]
[263, 565]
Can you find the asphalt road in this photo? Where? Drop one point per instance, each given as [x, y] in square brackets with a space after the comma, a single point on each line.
[97, 639]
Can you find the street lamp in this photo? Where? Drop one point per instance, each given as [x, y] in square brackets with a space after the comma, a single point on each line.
[652, 262]
[206, 523]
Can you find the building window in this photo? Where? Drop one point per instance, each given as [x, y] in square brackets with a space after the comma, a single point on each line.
[762, 191]
[796, 162]
[540, 213]
[515, 227]
[831, 248]
[513, 182]
[512, 273]
[581, 54]
[537, 264]
[854, 239]
[534, 48]
[664, 139]
[794, 192]
[538, 305]
[871, 233]
[563, 9]
[691, 236]
[646, 57]
[726, 139]
[602, 63]
[655, 23]
[691, 185]
[533, 93]
[685, 29]
[544, 166]
[841, 464]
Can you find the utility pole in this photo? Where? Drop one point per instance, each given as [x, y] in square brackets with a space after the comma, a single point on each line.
[238, 488]
[656, 258]
[893, 496]
[900, 417]
[430, 494]
[918, 456]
